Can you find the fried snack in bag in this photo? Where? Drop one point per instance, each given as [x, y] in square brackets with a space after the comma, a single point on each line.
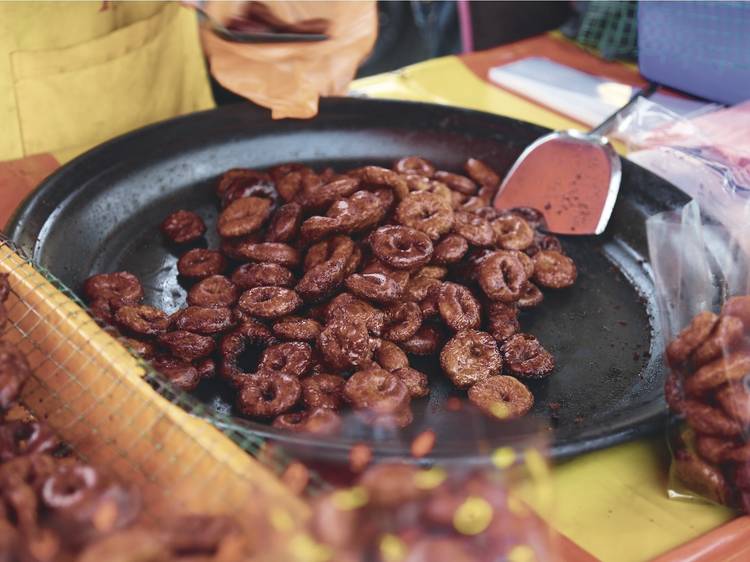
[703, 292]
[289, 78]
[700, 256]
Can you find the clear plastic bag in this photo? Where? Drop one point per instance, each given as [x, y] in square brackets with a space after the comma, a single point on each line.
[418, 502]
[700, 256]
[706, 155]
[702, 272]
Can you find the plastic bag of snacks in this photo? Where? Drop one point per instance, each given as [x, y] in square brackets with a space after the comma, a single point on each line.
[700, 257]
[701, 269]
[398, 512]
[411, 500]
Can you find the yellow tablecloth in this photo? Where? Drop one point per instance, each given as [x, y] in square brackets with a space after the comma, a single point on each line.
[612, 503]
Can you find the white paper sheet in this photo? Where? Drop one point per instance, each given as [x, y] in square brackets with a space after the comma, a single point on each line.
[583, 97]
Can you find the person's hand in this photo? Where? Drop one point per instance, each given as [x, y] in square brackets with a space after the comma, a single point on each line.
[288, 78]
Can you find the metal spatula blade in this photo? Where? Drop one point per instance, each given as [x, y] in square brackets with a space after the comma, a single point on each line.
[572, 177]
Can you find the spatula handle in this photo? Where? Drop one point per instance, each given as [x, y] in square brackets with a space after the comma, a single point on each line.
[603, 127]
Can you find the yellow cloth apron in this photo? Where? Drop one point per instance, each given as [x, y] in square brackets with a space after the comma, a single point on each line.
[74, 74]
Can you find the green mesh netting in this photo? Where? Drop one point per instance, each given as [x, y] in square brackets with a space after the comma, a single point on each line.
[274, 458]
[611, 28]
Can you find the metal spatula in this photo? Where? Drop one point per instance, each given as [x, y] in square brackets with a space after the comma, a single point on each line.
[572, 177]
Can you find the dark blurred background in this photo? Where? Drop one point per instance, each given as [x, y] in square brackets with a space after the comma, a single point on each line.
[416, 30]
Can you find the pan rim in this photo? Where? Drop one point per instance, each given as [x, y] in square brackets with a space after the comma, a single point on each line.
[52, 192]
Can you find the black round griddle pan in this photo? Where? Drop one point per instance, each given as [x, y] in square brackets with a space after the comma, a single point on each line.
[101, 213]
